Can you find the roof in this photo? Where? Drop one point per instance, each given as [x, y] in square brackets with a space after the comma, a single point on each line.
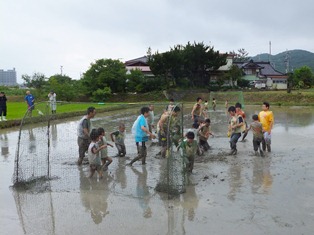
[265, 68]
[138, 61]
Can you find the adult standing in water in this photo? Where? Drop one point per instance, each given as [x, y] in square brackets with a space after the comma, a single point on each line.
[83, 130]
[266, 117]
[30, 101]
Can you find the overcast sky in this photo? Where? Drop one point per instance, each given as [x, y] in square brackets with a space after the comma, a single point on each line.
[43, 35]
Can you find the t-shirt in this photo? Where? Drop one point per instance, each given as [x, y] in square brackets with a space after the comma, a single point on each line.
[84, 123]
[257, 130]
[236, 120]
[119, 137]
[266, 118]
[103, 152]
[241, 113]
[93, 158]
[189, 148]
[203, 131]
[29, 99]
[140, 135]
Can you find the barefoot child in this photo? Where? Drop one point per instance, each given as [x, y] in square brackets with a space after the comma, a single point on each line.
[93, 156]
[257, 129]
[235, 128]
[204, 132]
[105, 160]
[118, 138]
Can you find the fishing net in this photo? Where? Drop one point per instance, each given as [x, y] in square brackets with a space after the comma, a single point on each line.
[172, 171]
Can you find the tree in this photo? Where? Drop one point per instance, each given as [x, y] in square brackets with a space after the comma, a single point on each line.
[135, 80]
[38, 80]
[194, 62]
[65, 88]
[303, 77]
[234, 73]
[241, 55]
[105, 73]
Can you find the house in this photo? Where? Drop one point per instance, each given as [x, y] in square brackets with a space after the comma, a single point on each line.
[139, 63]
[214, 75]
[263, 74]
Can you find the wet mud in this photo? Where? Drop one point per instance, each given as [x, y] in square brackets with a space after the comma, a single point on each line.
[242, 194]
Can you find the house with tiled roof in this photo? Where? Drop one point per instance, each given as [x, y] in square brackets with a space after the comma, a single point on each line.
[139, 63]
[263, 74]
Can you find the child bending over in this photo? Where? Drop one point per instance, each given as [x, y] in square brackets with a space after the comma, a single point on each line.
[118, 138]
[189, 149]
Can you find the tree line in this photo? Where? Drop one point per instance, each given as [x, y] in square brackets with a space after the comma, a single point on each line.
[185, 66]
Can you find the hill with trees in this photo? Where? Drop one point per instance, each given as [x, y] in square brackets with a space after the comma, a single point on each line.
[296, 59]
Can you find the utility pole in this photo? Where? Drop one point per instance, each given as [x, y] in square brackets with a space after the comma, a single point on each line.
[287, 61]
[269, 51]
[61, 68]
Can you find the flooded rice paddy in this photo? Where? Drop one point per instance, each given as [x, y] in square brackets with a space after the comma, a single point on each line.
[225, 195]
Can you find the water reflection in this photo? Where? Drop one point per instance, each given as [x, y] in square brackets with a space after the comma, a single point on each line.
[54, 134]
[234, 178]
[262, 178]
[94, 196]
[142, 191]
[120, 176]
[32, 141]
[4, 145]
[190, 201]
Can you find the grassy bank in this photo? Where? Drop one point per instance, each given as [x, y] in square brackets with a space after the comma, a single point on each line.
[17, 111]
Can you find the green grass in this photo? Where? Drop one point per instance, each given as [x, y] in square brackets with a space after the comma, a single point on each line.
[17, 110]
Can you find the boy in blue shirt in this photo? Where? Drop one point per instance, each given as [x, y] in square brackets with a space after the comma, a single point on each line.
[141, 133]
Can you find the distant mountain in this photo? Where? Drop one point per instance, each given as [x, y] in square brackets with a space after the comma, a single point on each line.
[296, 58]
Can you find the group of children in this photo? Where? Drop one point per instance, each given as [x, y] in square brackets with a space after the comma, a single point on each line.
[261, 127]
[195, 141]
[98, 149]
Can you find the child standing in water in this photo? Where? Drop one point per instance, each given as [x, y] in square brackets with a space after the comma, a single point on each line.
[105, 160]
[257, 129]
[235, 128]
[266, 117]
[189, 148]
[204, 132]
[214, 104]
[93, 156]
[118, 138]
[141, 133]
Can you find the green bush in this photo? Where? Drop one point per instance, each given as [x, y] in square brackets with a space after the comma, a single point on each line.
[101, 94]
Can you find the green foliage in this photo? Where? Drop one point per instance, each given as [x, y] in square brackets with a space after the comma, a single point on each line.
[241, 55]
[235, 73]
[134, 80]
[243, 83]
[37, 80]
[101, 94]
[65, 88]
[303, 77]
[194, 62]
[105, 73]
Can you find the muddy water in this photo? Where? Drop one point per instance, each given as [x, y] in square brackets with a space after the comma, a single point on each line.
[225, 195]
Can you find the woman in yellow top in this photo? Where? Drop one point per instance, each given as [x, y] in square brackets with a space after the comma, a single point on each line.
[266, 117]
